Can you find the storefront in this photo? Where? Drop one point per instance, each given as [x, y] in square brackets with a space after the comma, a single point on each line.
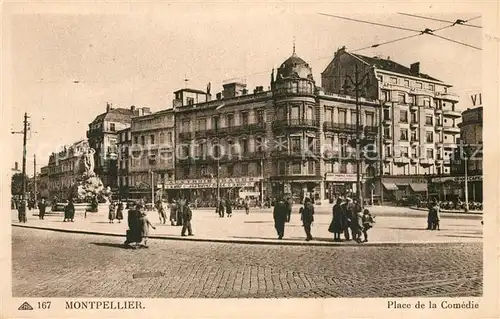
[395, 188]
[451, 188]
[297, 187]
[339, 185]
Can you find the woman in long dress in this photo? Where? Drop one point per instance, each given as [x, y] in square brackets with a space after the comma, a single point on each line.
[119, 212]
[134, 232]
[337, 224]
[112, 212]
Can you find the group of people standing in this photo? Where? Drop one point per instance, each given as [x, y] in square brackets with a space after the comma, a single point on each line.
[349, 215]
[115, 211]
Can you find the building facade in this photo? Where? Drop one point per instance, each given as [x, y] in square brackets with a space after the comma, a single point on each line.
[102, 137]
[124, 142]
[60, 175]
[289, 139]
[418, 117]
[151, 154]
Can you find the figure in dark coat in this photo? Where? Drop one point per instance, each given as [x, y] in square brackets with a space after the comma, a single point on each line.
[69, 211]
[337, 224]
[42, 206]
[134, 230]
[280, 215]
[229, 209]
[187, 215]
[288, 205]
[119, 211]
[307, 217]
[346, 218]
[21, 211]
[220, 207]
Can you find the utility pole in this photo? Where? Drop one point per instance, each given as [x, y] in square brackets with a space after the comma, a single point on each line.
[466, 189]
[152, 189]
[34, 176]
[218, 179]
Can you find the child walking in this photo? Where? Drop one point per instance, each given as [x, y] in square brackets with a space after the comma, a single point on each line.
[145, 224]
[368, 221]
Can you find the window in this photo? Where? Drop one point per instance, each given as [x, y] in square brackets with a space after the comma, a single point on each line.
[260, 116]
[414, 152]
[419, 85]
[387, 132]
[431, 86]
[282, 168]
[401, 98]
[185, 126]
[202, 124]
[295, 168]
[386, 96]
[244, 169]
[403, 134]
[388, 151]
[151, 139]
[328, 114]
[190, 100]
[230, 120]
[244, 118]
[343, 146]
[169, 138]
[353, 117]
[230, 170]
[404, 151]
[427, 102]
[369, 118]
[143, 140]
[438, 121]
[282, 114]
[387, 115]
[295, 144]
[343, 168]
[414, 117]
[428, 120]
[215, 122]
[244, 146]
[259, 147]
[407, 83]
[311, 167]
[403, 116]
[394, 80]
[136, 139]
[112, 127]
[342, 116]
[414, 136]
[162, 138]
[430, 153]
[310, 113]
[311, 144]
[295, 114]
[411, 99]
[429, 136]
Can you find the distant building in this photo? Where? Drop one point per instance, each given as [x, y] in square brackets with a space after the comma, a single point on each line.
[58, 177]
[124, 142]
[102, 136]
[419, 129]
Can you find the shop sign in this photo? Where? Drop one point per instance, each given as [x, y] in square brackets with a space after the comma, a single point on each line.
[333, 177]
[211, 183]
[458, 179]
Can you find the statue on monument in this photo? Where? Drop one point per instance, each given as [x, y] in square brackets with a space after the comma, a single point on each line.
[88, 161]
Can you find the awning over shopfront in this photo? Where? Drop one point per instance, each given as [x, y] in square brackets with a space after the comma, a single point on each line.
[390, 186]
[420, 187]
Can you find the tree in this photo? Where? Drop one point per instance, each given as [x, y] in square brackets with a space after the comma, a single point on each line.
[17, 183]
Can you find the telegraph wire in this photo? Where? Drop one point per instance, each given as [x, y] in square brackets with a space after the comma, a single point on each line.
[387, 42]
[455, 41]
[457, 22]
[372, 23]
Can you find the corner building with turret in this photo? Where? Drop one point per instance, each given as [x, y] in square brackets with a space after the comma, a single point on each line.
[289, 139]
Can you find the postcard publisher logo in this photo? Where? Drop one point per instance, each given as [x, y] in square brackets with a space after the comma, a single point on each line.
[25, 306]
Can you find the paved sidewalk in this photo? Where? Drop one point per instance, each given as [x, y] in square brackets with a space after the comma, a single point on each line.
[259, 228]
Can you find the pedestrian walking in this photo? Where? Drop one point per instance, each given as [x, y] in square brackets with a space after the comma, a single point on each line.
[307, 217]
[69, 211]
[229, 209]
[173, 213]
[337, 226]
[144, 225]
[42, 205]
[21, 211]
[434, 215]
[246, 204]
[280, 215]
[161, 212]
[346, 217]
[134, 233]
[288, 205]
[187, 215]
[368, 221]
[221, 208]
[356, 220]
[112, 212]
[119, 211]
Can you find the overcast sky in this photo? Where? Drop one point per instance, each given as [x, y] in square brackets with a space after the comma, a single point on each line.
[140, 59]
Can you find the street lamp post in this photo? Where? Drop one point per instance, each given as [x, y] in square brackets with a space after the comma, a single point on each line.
[357, 82]
[466, 188]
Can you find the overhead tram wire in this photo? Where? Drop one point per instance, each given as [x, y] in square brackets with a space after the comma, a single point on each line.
[457, 22]
[455, 41]
[387, 42]
[372, 23]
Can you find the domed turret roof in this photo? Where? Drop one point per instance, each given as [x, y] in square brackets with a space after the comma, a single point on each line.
[294, 67]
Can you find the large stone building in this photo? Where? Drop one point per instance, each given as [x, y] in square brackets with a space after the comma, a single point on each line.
[419, 128]
[289, 139]
[102, 137]
[60, 175]
[151, 154]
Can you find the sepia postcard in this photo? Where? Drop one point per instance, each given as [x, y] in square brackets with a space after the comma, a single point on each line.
[250, 159]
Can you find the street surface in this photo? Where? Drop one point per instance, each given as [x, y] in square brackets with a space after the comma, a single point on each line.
[54, 264]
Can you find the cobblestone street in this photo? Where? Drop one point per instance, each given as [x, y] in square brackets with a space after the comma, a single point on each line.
[53, 264]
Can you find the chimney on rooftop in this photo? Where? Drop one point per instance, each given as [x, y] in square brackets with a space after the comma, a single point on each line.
[108, 107]
[16, 166]
[415, 68]
[132, 108]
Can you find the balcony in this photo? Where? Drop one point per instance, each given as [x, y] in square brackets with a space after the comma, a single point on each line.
[386, 121]
[387, 158]
[387, 140]
[448, 96]
[450, 145]
[338, 127]
[414, 125]
[370, 130]
[414, 160]
[438, 111]
[438, 127]
[295, 123]
[451, 113]
[401, 160]
[200, 134]
[426, 162]
[451, 129]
